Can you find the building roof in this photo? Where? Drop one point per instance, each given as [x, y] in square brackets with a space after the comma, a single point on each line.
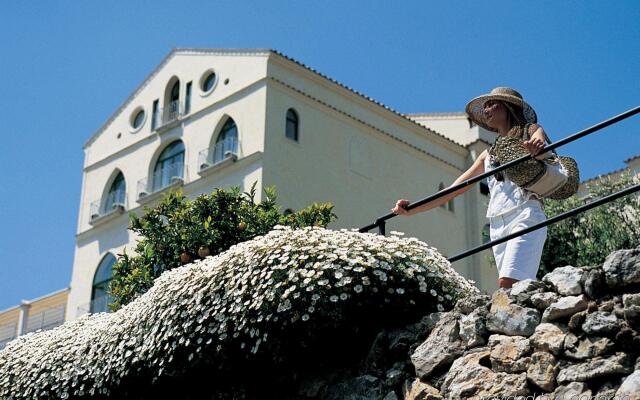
[612, 172]
[252, 51]
[439, 114]
[37, 299]
[604, 175]
[479, 140]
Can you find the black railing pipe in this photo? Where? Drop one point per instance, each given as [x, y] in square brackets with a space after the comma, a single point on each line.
[381, 220]
[549, 221]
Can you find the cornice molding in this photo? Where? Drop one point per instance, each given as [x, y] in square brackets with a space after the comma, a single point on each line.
[362, 96]
[352, 117]
[606, 176]
[249, 52]
[184, 121]
[631, 158]
[156, 70]
[479, 140]
[438, 114]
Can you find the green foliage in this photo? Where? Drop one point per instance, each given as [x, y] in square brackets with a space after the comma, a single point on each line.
[587, 238]
[179, 230]
[278, 306]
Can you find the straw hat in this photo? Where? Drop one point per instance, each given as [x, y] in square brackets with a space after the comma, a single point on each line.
[475, 108]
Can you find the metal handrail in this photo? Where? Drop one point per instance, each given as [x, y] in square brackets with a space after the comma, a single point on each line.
[380, 221]
[221, 151]
[161, 179]
[557, 218]
[114, 199]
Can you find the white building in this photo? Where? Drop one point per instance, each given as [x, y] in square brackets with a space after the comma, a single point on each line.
[44, 313]
[633, 168]
[209, 118]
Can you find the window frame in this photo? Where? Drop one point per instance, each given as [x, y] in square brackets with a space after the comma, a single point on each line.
[295, 122]
[104, 284]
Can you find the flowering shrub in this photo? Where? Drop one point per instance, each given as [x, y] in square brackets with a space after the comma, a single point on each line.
[235, 305]
[179, 230]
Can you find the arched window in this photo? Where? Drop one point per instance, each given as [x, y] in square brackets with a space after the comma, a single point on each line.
[116, 194]
[292, 124]
[100, 297]
[170, 165]
[449, 204]
[227, 141]
[171, 110]
[440, 188]
[175, 92]
[485, 234]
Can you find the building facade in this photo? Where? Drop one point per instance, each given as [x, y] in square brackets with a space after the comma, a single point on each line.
[43, 313]
[633, 167]
[216, 118]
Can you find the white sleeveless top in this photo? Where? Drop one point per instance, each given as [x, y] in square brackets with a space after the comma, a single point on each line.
[504, 196]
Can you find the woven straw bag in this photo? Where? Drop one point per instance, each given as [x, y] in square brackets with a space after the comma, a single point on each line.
[555, 177]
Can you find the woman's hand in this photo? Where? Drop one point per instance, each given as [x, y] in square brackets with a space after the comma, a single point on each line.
[536, 142]
[399, 208]
[533, 145]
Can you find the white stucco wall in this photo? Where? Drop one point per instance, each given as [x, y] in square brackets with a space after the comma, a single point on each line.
[353, 153]
[455, 125]
[134, 154]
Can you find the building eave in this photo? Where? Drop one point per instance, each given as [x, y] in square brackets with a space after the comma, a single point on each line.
[617, 171]
[479, 140]
[631, 159]
[154, 72]
[438, 114]
[254, 51]
[367, 98]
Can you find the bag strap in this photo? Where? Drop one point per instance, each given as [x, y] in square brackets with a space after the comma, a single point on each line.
[525, 131]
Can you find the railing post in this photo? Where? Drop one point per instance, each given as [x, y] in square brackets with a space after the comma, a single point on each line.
[381, 225]
[23, 319]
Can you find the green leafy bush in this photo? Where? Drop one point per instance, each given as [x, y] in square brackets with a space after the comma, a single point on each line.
[178, 231]
[269, 298]
[587, 238]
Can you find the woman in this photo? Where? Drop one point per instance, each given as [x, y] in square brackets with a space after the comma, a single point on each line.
[511, 208]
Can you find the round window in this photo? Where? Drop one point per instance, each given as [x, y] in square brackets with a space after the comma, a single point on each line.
[208, 81]
[138, 119]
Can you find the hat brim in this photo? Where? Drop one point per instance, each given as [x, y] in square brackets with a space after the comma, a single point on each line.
[475, 109]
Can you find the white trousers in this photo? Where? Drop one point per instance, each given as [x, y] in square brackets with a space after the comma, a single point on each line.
[519, 258]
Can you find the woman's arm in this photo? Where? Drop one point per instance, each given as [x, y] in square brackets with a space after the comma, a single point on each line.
[536, 142]
[476, 169]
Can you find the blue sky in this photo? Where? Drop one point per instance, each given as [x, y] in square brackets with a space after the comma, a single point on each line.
[65, 67]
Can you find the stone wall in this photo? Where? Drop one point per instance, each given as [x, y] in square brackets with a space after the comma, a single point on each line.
[575, 332]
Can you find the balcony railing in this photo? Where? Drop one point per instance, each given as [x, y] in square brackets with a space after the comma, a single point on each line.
[169, 113]
[161, 179]
[113, 202]
[46, 319]
[227, 148]
[99, 304]
[8, 332]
